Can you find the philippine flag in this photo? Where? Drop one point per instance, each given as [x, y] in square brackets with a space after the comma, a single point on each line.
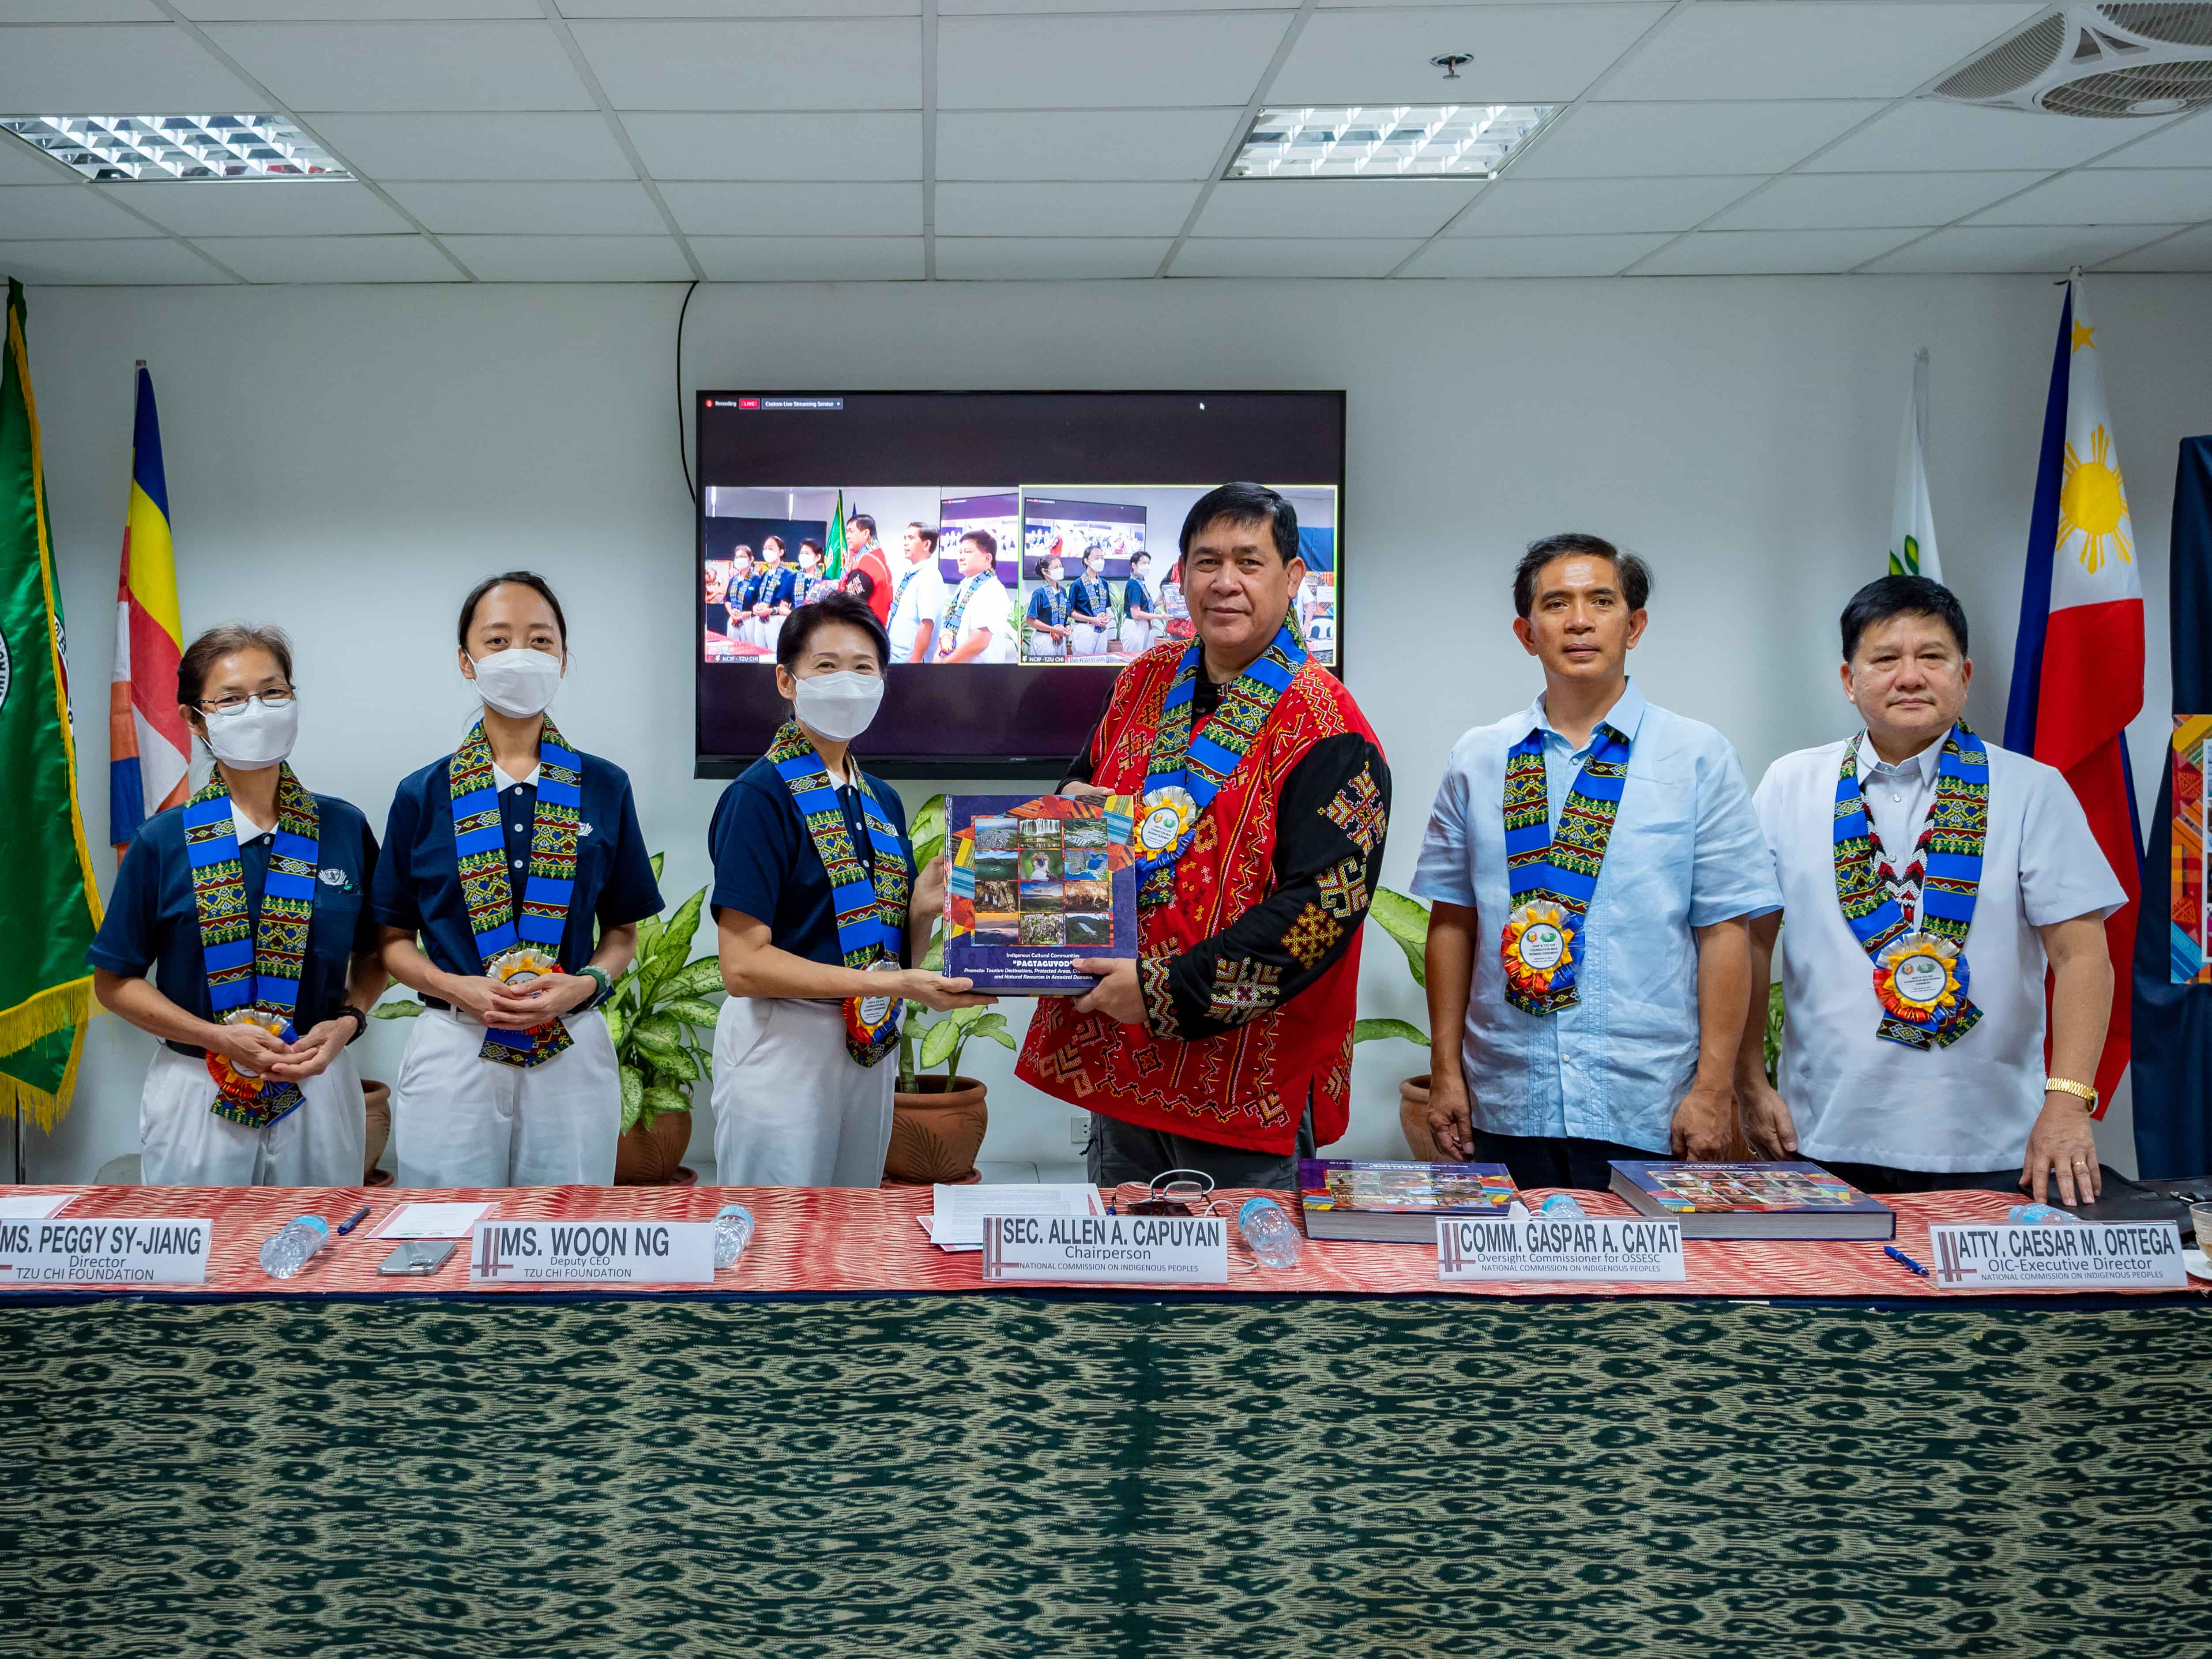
[2077, 673]
[149, 749]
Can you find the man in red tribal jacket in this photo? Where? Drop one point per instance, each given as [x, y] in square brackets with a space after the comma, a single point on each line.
[1226, 1046]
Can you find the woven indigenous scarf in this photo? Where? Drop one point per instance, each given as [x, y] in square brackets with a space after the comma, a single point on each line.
[1920, 974]
[870, 895]
[970, 586]
[1057, 604]
[1553, 878]
[253, 980]
[517, 948]
[1097, 601]
[1189, 768]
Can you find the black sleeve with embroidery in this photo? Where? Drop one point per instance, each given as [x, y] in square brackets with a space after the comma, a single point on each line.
[1329, 828]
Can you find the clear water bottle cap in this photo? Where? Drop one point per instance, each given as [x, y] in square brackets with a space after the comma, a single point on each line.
[315, 1221]
[732, 1209]
[1252, 1204]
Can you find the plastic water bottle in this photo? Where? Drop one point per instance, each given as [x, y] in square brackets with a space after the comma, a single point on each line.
[1559, 1205]
[2039, 1215]
[289, 1248]
[1269, 1232]
[734, 1231]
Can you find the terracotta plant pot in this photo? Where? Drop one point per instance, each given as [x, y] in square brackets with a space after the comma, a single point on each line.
[651, 1157]
[377, 1098]
[1413, 1117]
[936, 1132]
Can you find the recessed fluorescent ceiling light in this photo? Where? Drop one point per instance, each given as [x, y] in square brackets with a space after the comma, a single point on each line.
[1386, 141]
[124, 147]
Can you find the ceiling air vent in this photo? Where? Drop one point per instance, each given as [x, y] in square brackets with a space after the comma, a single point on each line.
[2109, 60]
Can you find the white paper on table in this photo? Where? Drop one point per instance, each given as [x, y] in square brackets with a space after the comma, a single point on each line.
[958, 1212]
[431, 1220]
[926, 1224]
[34, 1206]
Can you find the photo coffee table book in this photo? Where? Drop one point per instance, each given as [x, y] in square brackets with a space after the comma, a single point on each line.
[1752, 1200]
[1036, 881]
[1396, 1203]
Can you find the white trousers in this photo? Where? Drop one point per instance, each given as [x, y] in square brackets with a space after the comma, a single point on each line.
[792, 1107]
[1136, 636]
[1043, 645]
[320, 1143]
[458, 1119]
[1086, 641]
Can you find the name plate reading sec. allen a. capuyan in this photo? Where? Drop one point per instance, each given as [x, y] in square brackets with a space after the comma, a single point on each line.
[1131, 1249]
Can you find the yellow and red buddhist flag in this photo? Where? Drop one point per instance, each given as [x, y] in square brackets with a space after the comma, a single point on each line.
[149, 750]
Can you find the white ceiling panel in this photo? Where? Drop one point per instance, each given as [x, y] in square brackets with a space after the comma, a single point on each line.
[81, 11]
[1000, 8]
[751, 210]
[333, 258]
[810, 258]
[1523, 54]
[21, 165]
[2177, 144]
[2019, 247]
[566, 210]
[2192, 250]
[1331, 207]
[1164, 144]
[1061, 210]
[321, 207]
[1569, 207]
[1749, 253]
[406, 66]
[986, 258]
[65, 71]
[868, 145]
[58, 211]
[740, 9]
[1608, 140]
[106, 262]
[1273, 257]
[853, 63]
[1808, 49]
[1927, 136]
[2104, 196]
[1817, 201]
[1533, 256]
[571, 258]
[1172, 61]
[351, 11]
[512, 146]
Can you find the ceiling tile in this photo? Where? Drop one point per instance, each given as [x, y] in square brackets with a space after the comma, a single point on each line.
[1062, 209]
[29, 211]
[809, 258]
[1001, 7]
[1172, 61]
[81, 11]
[1516, 207]
[1533, 256]
[1601, 141]
[985, 258]
[104, 263]
[1927, 136]
[2019, 247]
[419, 146]
[862, 145]
[1331, 207]
[2191, 251]
[1814, 201]
[2106, 196]
[265, 207]
[1523, 54]
[103, 70]
[510, 208]
[1277, 257]
[21, 165]
[853, 63]
[571, 258]
[752, 209]
[1746, 252]
[351, 11]
[2178, 144]
[402, 66]
[1807, 49]
[740, 9]
[1165, 144]
[333, 258]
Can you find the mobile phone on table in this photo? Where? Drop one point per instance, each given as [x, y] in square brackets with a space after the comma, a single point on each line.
[418, 1257]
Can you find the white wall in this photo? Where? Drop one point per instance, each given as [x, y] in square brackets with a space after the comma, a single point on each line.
[347, 461]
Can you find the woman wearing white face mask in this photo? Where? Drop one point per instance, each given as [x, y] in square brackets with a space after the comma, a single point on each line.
[501, 856]
[252, 1085]
[804, 1048]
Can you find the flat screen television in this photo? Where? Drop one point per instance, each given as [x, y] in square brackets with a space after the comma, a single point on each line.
[1000, 482]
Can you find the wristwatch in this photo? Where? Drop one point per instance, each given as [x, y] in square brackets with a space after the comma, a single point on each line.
[360, 1022]
[2067, 1086]
[599, 977]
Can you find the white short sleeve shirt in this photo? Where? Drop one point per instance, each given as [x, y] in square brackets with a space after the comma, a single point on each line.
[920, 590]
[986, 608]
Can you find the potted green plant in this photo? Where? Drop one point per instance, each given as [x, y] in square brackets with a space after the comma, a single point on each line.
[1405, 921]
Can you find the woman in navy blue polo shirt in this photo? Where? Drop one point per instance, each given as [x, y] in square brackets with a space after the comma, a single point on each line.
[248, 902]
[816, 900]
[501, 856]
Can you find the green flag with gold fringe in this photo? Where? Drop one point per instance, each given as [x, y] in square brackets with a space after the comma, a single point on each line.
[49, 907]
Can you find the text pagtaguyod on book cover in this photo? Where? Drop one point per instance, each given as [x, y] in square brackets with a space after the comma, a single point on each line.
[1037, 882]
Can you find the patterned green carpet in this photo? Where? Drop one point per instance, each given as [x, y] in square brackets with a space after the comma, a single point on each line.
[996, 1475]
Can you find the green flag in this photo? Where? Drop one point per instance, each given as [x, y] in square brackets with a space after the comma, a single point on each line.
[833, 554]
[48, 903]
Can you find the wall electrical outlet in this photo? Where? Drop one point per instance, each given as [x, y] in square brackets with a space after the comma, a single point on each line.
[1079, 1129]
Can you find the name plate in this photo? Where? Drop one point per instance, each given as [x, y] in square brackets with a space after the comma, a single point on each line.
[1611, 1248]
[2084, 1256]
[1136, 1249]
[106, 1250]
[595, 1252]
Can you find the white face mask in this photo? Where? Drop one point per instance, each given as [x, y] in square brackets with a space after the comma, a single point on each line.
[254, 734]
[518, 683]
[838, 706]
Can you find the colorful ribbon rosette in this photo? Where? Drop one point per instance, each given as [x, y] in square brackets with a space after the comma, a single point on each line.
[1538, 946]
[1921, 978]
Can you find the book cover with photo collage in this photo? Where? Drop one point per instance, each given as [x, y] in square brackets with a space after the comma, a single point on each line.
[1036, 881]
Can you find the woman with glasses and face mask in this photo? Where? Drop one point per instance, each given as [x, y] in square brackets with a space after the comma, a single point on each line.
[248, 903]
[501, 856]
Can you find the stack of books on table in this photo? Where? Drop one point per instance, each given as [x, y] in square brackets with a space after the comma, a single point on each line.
[1752, 1200]
[1396, 1203]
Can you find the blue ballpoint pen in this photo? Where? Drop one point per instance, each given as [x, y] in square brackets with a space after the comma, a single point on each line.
[1896, 1254]
[353, 1220]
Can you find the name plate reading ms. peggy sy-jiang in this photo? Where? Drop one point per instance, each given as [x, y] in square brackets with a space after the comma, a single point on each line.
[1130, 1249]
[1606, 1248]
[600, 1251]
[108, 1250]
[2087, 1255]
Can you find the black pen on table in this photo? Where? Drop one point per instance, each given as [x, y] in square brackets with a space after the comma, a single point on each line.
[353, 1221]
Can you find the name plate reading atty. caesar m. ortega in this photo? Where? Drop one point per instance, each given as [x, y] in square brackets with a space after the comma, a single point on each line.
[108, 1250]
[593, 1252]
[1132, 1250]
[1609, 1248]
[2086, 1256]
